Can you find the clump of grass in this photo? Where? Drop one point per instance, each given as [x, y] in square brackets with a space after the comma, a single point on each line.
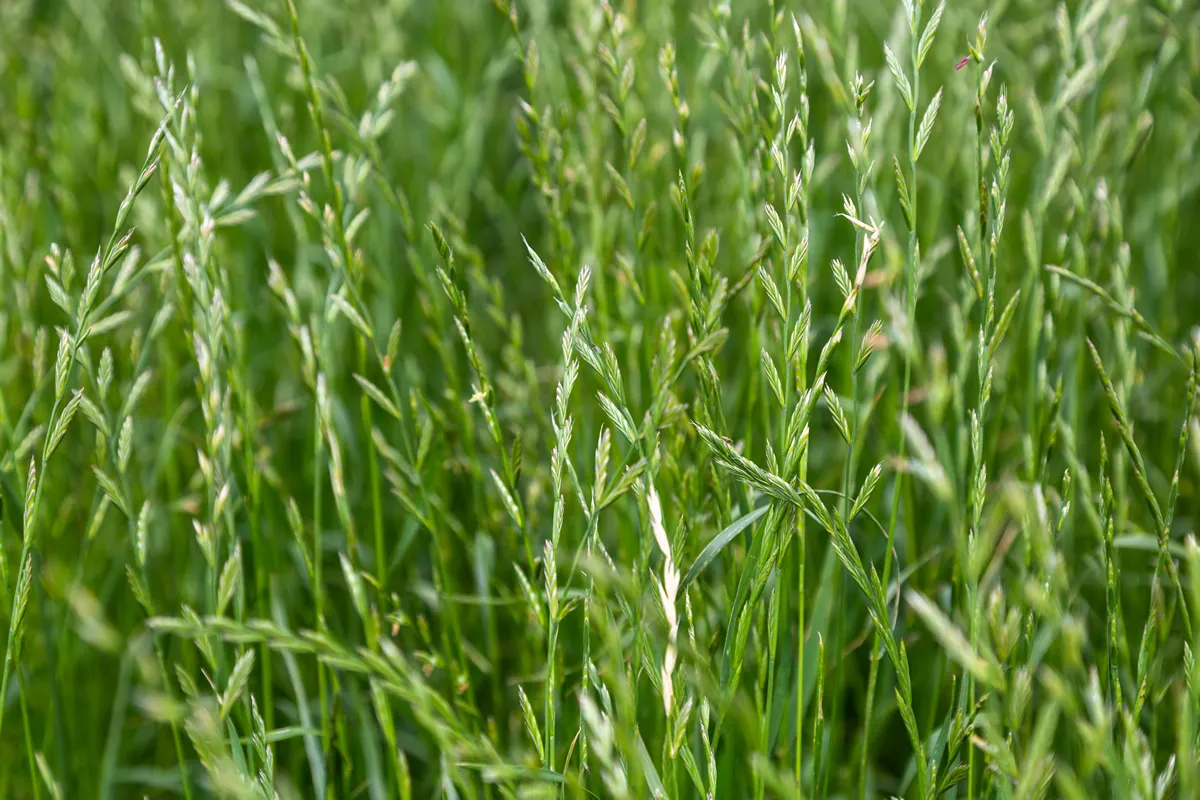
[599, 400]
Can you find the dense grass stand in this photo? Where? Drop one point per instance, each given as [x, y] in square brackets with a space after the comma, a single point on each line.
[599, 398]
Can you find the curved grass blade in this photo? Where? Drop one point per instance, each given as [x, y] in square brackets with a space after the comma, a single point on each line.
[718, 543]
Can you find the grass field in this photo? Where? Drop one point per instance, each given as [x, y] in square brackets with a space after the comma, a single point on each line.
[599, 398]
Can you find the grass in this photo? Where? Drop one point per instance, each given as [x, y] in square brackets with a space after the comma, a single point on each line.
[619, 399]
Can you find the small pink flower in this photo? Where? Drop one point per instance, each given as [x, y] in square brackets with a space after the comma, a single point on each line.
[961, 64]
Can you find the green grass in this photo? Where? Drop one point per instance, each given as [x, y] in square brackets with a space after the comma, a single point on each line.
[599, 399]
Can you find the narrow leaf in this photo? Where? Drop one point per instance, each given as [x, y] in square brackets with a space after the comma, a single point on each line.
[718, 543]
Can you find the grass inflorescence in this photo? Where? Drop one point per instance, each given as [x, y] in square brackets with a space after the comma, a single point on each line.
[599, 398]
